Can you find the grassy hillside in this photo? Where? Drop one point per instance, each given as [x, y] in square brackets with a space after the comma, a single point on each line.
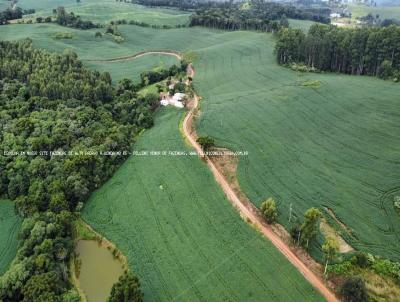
[9, 225]
[180, 234]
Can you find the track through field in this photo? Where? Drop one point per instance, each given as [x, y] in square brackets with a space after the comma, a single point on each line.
[247, 211]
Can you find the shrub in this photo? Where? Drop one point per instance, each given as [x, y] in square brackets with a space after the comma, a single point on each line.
[353, 290]
[341, 268]
[119, 39]
[206, 142]
[60, 36]
[268, 209]
[360, 259]
[385, 70]
[302, 68]
[397, 203]
[126, 289]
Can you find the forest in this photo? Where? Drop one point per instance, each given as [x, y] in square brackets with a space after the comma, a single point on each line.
[254, 14]
[54, 115]
[10, 14]
[373, 51]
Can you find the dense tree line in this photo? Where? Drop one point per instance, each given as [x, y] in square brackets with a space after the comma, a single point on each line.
[154, 76]
[181, 4]
[365, 51]
[50, 102]
[13, 13]
[254, 15]
[71, 20]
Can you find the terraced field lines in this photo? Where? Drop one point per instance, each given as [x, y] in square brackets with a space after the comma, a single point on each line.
[9, 225]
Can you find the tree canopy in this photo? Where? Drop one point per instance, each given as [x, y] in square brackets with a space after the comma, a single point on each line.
[59, 121]
[371, 51]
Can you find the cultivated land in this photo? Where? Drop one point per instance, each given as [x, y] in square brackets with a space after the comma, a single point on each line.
[90, 48]
[181, 236]
[9, 226]
[104, 11]
[383, 11]
[331, 143]
[301, 24]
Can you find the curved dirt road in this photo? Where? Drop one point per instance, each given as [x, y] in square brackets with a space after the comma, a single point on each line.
[141, 54]
[246, 210]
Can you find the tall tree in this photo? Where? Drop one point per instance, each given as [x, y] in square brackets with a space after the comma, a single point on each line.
[309, 228]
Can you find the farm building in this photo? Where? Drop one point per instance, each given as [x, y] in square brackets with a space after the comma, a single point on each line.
[175, 100]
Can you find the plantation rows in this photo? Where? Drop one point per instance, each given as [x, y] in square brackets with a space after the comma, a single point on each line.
[9, 225]
[104, 11]
[334, 145]
[181, 235]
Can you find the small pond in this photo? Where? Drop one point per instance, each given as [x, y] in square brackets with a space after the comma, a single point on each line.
[99, 270]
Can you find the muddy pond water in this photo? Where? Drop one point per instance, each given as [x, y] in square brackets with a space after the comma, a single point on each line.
[99, 270]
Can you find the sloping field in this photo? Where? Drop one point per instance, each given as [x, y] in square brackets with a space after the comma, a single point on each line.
[90, 48]
[9, 226]
[104, 11]
[132, 69]
[330, 141]
[386, 12]
[324, 140]
[181, 235]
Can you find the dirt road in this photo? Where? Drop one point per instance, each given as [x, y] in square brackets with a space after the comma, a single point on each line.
[248, 211]
[141, 54]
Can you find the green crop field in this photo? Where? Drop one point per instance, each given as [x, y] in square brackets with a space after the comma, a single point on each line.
[181, 236]
[104, 11]
[84, 43]
[331, 145]
[9, 226]
[383, 11]
[301, 24]
[132, 69]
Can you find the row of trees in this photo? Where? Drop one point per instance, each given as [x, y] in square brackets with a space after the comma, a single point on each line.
[13, 13]
[265, 10]
[71, 20]
[364, 51]
[254, 15]
[303, 233]
[157, 75]
[50, 104]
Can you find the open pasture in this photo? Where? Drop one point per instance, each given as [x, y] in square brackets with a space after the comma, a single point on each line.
[9, 226]
[180, 235]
